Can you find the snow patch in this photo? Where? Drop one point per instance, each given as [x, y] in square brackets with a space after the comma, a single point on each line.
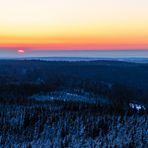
[137, 106]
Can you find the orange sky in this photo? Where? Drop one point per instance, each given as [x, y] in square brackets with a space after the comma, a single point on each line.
[79, 24]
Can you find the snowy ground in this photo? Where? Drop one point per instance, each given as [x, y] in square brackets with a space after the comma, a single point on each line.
[70, 96]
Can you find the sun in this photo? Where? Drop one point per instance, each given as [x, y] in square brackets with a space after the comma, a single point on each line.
[21, 51]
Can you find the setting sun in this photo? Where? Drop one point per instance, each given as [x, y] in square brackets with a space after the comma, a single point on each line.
[20, 51]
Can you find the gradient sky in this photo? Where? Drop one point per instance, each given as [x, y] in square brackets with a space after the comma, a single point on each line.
[74, 24]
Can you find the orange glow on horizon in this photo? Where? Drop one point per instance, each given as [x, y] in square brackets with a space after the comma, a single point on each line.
[76, 43]
[78, 46]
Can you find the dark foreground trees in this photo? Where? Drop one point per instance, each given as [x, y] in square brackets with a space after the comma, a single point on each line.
[61, 124]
